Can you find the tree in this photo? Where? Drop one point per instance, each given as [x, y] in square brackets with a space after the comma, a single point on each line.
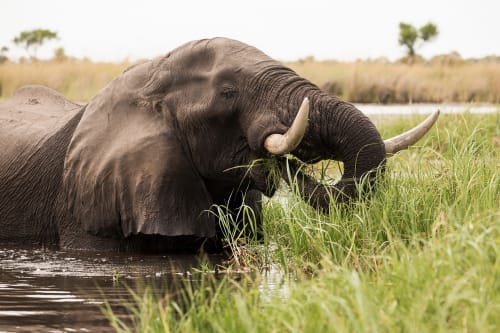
[59, 55]
[3, 57]
[408, 35]
[33, 39]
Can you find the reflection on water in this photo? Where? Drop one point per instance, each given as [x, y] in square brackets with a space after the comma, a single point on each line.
[62, 291]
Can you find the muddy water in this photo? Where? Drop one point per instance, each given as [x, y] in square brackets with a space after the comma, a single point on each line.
[61, 291]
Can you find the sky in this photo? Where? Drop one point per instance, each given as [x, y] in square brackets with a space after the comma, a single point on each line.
[346, 30]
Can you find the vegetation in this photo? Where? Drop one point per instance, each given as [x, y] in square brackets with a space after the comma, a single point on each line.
[422, 255]
[443, 79]
[59, 55]
[77, 80]
[3, 57]
[33, 39]
[446, 78]
[408, 35]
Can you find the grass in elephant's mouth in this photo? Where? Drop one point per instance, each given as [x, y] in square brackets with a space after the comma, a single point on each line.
[422, 255]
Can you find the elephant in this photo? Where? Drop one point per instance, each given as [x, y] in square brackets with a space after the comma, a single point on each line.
[140, 166]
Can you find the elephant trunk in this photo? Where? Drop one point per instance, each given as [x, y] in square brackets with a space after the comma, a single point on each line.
[334, 130]
[337, 130]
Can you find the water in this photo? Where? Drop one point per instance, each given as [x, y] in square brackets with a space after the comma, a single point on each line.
[64, 291]
[411, 109]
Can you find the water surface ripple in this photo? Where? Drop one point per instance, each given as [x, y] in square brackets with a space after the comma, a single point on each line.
[64, 291]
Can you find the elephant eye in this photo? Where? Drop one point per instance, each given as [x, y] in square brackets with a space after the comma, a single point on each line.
[229, 92]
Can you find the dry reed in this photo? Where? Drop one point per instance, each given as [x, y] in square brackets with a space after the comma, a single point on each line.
[380, 82]
[362, 82]
[78, 81]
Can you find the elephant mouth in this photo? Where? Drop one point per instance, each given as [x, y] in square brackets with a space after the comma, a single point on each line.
[280, 144]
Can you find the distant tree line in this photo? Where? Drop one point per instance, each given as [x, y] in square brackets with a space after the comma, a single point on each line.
[409, 37]
[31, 41]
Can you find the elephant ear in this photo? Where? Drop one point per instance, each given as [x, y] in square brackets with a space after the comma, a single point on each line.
[126, 172]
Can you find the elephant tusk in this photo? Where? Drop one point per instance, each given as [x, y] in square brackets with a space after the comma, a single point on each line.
[279, 144]
[406, 139]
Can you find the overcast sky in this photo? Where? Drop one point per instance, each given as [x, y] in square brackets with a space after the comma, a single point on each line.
[106, 30]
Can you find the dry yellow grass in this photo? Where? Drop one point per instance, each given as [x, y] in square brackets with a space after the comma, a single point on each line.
[78, 81]
[369, 82]
[378, 82]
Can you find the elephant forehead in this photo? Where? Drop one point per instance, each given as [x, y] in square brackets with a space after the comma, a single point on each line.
[216, 54]
[230, 48]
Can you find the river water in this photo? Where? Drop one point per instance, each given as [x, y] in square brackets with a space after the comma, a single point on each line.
[414, 109]
[43, 290]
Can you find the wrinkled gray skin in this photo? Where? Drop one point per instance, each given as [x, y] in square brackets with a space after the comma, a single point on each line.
[138, 167]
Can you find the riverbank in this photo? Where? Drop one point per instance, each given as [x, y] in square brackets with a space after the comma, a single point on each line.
[359, 82]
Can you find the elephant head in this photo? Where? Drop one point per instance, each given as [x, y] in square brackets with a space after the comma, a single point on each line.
[168, 138]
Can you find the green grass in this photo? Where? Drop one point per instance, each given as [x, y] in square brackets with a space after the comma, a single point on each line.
[421, 255]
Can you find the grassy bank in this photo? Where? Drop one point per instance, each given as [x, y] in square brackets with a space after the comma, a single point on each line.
[423, 255]
[365, 82]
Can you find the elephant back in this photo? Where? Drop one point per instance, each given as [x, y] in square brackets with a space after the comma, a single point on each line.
[29, 118]
[36, 125]
[37, 102]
